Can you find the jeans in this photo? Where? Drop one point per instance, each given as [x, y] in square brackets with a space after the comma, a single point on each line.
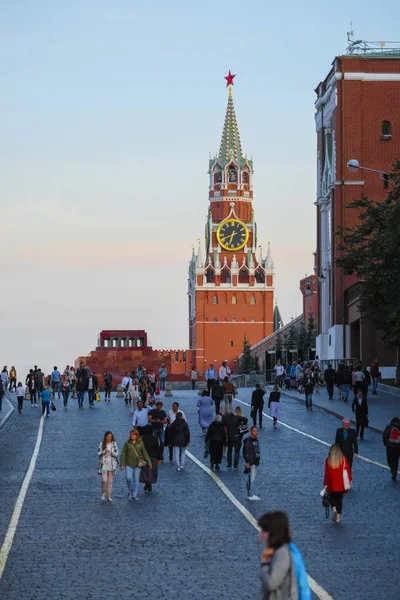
[20, 403]
[217, 405]
[132, 480]
[254, 412]
[251, 478]
[65, 394]
[234, 444]
[81, 397]
[308, 400]
[56, 388]
[91, 397]
[228, 403]
[160, 435]
[194, 381]
[345, 391]
[33, 396]
[374, 384]
[179, 456]
[45, 408]
[162, 383]
[329, 387]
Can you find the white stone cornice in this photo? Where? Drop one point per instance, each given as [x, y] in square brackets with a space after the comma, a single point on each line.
[372, 76]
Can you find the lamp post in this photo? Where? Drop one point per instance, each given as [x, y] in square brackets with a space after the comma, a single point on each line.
[353, 165]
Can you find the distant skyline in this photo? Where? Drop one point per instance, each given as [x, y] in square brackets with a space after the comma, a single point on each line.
[110, 112]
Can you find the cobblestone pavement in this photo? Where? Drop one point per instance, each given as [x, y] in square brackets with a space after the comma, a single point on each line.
[186, 540]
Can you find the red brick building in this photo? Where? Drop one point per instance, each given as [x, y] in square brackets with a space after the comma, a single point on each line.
[231, 293]
[357, 117]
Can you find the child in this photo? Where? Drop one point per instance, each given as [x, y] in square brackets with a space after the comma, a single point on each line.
[20, 396]
[46, 398]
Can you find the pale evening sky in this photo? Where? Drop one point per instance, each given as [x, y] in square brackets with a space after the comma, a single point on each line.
[109, 112]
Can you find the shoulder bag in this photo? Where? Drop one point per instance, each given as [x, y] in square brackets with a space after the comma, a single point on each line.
[141, 463]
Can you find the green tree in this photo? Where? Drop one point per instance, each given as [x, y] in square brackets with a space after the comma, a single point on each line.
[311, 332]
[371, 252]
[278, 343]
[246, 362]
[255, 366]
[302, 339]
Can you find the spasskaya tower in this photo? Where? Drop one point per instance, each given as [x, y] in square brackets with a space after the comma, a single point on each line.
[230, 285]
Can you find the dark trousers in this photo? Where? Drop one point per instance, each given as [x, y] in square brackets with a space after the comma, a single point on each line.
[13, 383]
[217, 405]
[329, 387]
[1, 400]
[254, 412]
[65, 394]
[56, 388]
[107, 390]
[194, 384]
[234, 444]
[81, 397]
[45, 408]
[336, 499]
[360, 428]
[349, 460]
[20, 403]
[216, 451]
[33, 396]
[393, 456]
[210, 384]
[91, 397]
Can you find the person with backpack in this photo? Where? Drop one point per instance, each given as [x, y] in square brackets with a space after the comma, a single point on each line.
[283, 574]
[391, 439]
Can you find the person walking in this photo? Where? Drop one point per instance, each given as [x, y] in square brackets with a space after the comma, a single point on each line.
[72, 381]
[359, 380]
[309, 390]
[158, 419]
[91, 389]
[20, 391]
[179, 436]
[274, 405]
[277, 571]
[13, 379]
[81, 388]
[228, 390]
[4, 378]
[257, 405]
[163, 374]
[45, 396]
[360, 409]
[346, 385]
[133, 458]
[32, 390]
[346, 439]
[339, 378]
[375, 374]
[140, 417]
[126, 383]
[107, 378]
[1, 394]
[251, 455]
[242, 428]
[279, 370]
[55, 382]
[211, 376]
[391, 440]
[217, 440]
[108, 459]
[224, 371]
[217, 395]
[232, 426]
[337, 480]
[149, 476]
[171, 418]
[193, 378]
[206, 411]
[329, 377]
[65, 389]
[299, 377]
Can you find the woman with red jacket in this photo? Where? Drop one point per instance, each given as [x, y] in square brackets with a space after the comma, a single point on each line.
[337, 479]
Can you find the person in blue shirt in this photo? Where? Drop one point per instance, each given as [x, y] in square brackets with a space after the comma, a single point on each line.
[45, 396]
[211, 376]
[55, 381]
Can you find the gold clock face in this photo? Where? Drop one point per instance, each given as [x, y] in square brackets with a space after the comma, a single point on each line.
[232, 235]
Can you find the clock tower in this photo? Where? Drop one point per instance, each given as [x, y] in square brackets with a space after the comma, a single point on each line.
[230, 285]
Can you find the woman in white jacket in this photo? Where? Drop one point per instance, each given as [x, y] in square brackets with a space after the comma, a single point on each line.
[108, 459]
[133, 394]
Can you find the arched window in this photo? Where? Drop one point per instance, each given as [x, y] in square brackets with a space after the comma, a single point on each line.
[244, 276]
[234, 299]
[210, 276]
[252, 299]
[231, 342]
[215, 299]
[215, 320]
[252, 320]
[225, 276]
[386, 129]
[245, 177]
[233, 320]
[260, 277]
[232, 174]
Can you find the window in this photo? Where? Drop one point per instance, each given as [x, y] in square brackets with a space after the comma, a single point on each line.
[215, 299]
[252, 320]
[233, 320]
[231, 342]
[225, 276]
[234, 300]
[244, 276]
[215, 320]
[232, 174]
[210, 276]
[385, 178]
[386, 129]
[253, 299]
[245, 177]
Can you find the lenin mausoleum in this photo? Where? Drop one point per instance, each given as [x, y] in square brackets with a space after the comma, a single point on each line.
[230, 285]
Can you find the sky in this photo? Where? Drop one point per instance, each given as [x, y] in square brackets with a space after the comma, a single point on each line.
[109, 113]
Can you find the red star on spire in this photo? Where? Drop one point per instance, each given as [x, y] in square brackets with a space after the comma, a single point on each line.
[229, 78]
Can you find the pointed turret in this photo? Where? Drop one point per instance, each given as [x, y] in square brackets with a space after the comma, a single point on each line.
[199, 262]
[278, 322]
[231, 146]
[269, 263]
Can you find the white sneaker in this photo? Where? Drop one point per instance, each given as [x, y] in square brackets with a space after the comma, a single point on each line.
[178, 468]
[253, 498]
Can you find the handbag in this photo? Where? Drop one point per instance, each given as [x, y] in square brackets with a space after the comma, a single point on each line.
[97, 397]
[53, 406]
[346, 480]
[141, 463]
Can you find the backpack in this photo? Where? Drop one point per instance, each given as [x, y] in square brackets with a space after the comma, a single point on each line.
[303, 587]
[394, 437]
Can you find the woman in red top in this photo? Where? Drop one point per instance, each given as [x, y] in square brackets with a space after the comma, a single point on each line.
[337, 479]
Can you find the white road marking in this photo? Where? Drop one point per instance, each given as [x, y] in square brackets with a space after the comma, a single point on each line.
[316, 588]
[312, 437]
[12, 527]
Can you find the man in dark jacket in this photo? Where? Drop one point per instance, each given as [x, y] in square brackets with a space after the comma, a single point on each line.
[251, 455]
[179, 437]
[234, 440]
[360, 409]
[1, 394]
[329, 377]
[107, 385]
[391, 439]
[346, 439]
[216, 439]
[217, 395]
[257, 405]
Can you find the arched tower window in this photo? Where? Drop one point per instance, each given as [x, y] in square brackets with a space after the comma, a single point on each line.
[260, 276]
[225, 276]
[386, 129]
[215, 320]
[215, 299]
[232, 174]
[245, 177]
[210, 275]
[234, 299]
[244, 276]
[252, 299]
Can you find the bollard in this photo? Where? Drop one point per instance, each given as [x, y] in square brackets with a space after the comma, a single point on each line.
[168, 390]
[120, 391]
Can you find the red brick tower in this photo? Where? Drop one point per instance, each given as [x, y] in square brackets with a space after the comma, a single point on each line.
[231, 294]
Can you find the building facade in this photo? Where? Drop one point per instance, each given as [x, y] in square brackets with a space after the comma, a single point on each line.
[357, 117]
[230, 285]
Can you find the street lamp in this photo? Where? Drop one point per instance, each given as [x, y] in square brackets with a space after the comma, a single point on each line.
[322, 277]
[353, 165]
[308, 291]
